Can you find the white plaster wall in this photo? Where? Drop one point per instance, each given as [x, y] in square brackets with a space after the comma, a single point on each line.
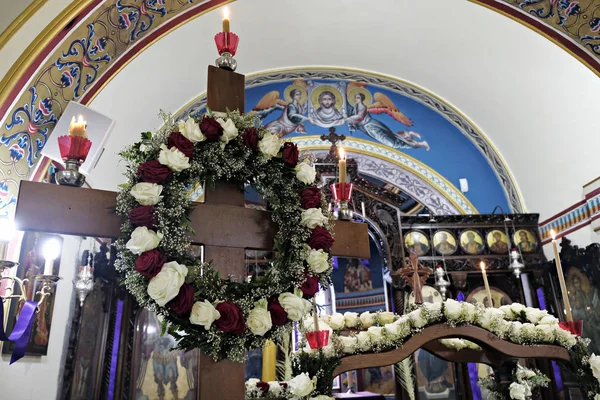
[535, 102]
[29, 31]
[34, 378]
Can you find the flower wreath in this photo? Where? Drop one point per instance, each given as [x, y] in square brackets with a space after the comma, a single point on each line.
[203, 310]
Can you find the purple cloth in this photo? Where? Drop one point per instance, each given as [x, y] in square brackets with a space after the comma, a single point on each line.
[460, 297]
[473, 378]
[115, 350]
[21, 331]
[555, 368]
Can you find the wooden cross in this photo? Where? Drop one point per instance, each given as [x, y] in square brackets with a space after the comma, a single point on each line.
[333, 138]
[222, 224]
[415, 275]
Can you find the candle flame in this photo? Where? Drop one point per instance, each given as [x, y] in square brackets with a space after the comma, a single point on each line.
[482, 266]
[225, 12]
[552, 234]
[342, 154]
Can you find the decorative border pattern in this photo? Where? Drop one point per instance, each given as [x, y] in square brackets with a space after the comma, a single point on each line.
[418, 180]
[577, 216]
[571, 24]
[404, 88]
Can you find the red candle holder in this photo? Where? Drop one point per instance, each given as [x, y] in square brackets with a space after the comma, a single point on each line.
[227, 42]
[342, 191]
[575, 327]
[74, 147]
[317, 339]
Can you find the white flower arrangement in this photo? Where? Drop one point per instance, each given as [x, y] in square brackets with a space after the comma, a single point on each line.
[222, 317]
[300, 387]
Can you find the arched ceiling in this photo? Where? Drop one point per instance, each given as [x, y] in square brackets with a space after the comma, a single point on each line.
[535, 102]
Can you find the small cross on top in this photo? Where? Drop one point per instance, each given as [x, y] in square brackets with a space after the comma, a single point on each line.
[333, 138]
[415, 275]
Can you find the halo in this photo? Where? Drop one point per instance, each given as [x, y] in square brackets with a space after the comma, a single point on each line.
[314, 98]
[368, 96]
[303, 93]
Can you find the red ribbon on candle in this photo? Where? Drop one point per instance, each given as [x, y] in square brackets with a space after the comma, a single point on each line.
[317, 339]
[342, 191]
[575, 327]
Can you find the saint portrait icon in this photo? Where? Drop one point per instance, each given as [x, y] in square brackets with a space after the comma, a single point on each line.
[525, 241]
[327, 102]
[416, 242]
[497, 241]
[444, 243]
[471, 242]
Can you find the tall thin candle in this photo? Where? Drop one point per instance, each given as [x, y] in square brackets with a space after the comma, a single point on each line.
[487, 285]
[561, 277]
[342, 166]
[226, 27]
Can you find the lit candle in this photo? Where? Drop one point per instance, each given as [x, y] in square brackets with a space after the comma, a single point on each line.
[342, 165]
[362, 206]
[487, 285]
[226, 20]
[51, 252]
[561, 277]
[77, 128]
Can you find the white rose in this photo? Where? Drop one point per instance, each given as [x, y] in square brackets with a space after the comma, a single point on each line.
[229, 130]
[336, 321]
[259, 320]
[349, 344]
[143, 239]
[165, 286]
[147, 194]
[417, 320]
[269, 145]
[322, 397]
[306, 173]
[399, 329]
[534, 315]
[376, 334]
[452, 309]
[517, 309]
[597, 397]
[386, 317]
[318, 261]
[546, 332]
[595, 365]
[173, 158]
[351, 319]
[363, 340]
[490, 317]
[367, 319]
[564, 338]
[313, 217]
[469, 311]
[548, 320]
[204, 313]
[302, 385]
[508, 312]
[191, 130]
[517, 391]
[275, 388]
[295, 306]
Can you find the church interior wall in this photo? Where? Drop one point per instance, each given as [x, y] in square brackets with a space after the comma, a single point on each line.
[46, 371]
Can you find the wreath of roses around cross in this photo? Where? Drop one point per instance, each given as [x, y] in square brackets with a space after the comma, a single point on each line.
[203, 310]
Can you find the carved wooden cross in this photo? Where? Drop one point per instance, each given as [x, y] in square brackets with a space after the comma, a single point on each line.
[222, 224]
[333, 138]
[415, 275]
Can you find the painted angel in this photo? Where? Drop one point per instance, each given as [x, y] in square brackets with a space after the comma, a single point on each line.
[359, 118]
[294, 107]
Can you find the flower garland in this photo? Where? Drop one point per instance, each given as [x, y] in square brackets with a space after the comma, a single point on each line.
[221, 317]
[384, 331]
[300, 387]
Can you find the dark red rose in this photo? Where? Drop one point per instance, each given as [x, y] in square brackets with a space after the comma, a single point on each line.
[232, 318]
[310, 286]
[320, 239]
[153, 172]
[181, 143]
[149, 263]
[278, 315]
[251, 139]
[283, 385]
[263, 386]
[290, 154]
[142, 216]
[211, 129]
[183, 302]
[310, 198]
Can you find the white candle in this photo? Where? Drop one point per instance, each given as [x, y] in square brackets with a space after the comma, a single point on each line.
[342, 166]
[48, 266]
[487, 285]
[561, 277]
[362, 206]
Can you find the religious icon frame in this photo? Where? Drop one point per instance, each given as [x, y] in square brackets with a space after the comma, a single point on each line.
[449, 235]
[422, 235]
[489, 243]
[530, 235]
[478, 235]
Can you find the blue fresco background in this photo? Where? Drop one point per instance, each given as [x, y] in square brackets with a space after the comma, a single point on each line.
[452, 154]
